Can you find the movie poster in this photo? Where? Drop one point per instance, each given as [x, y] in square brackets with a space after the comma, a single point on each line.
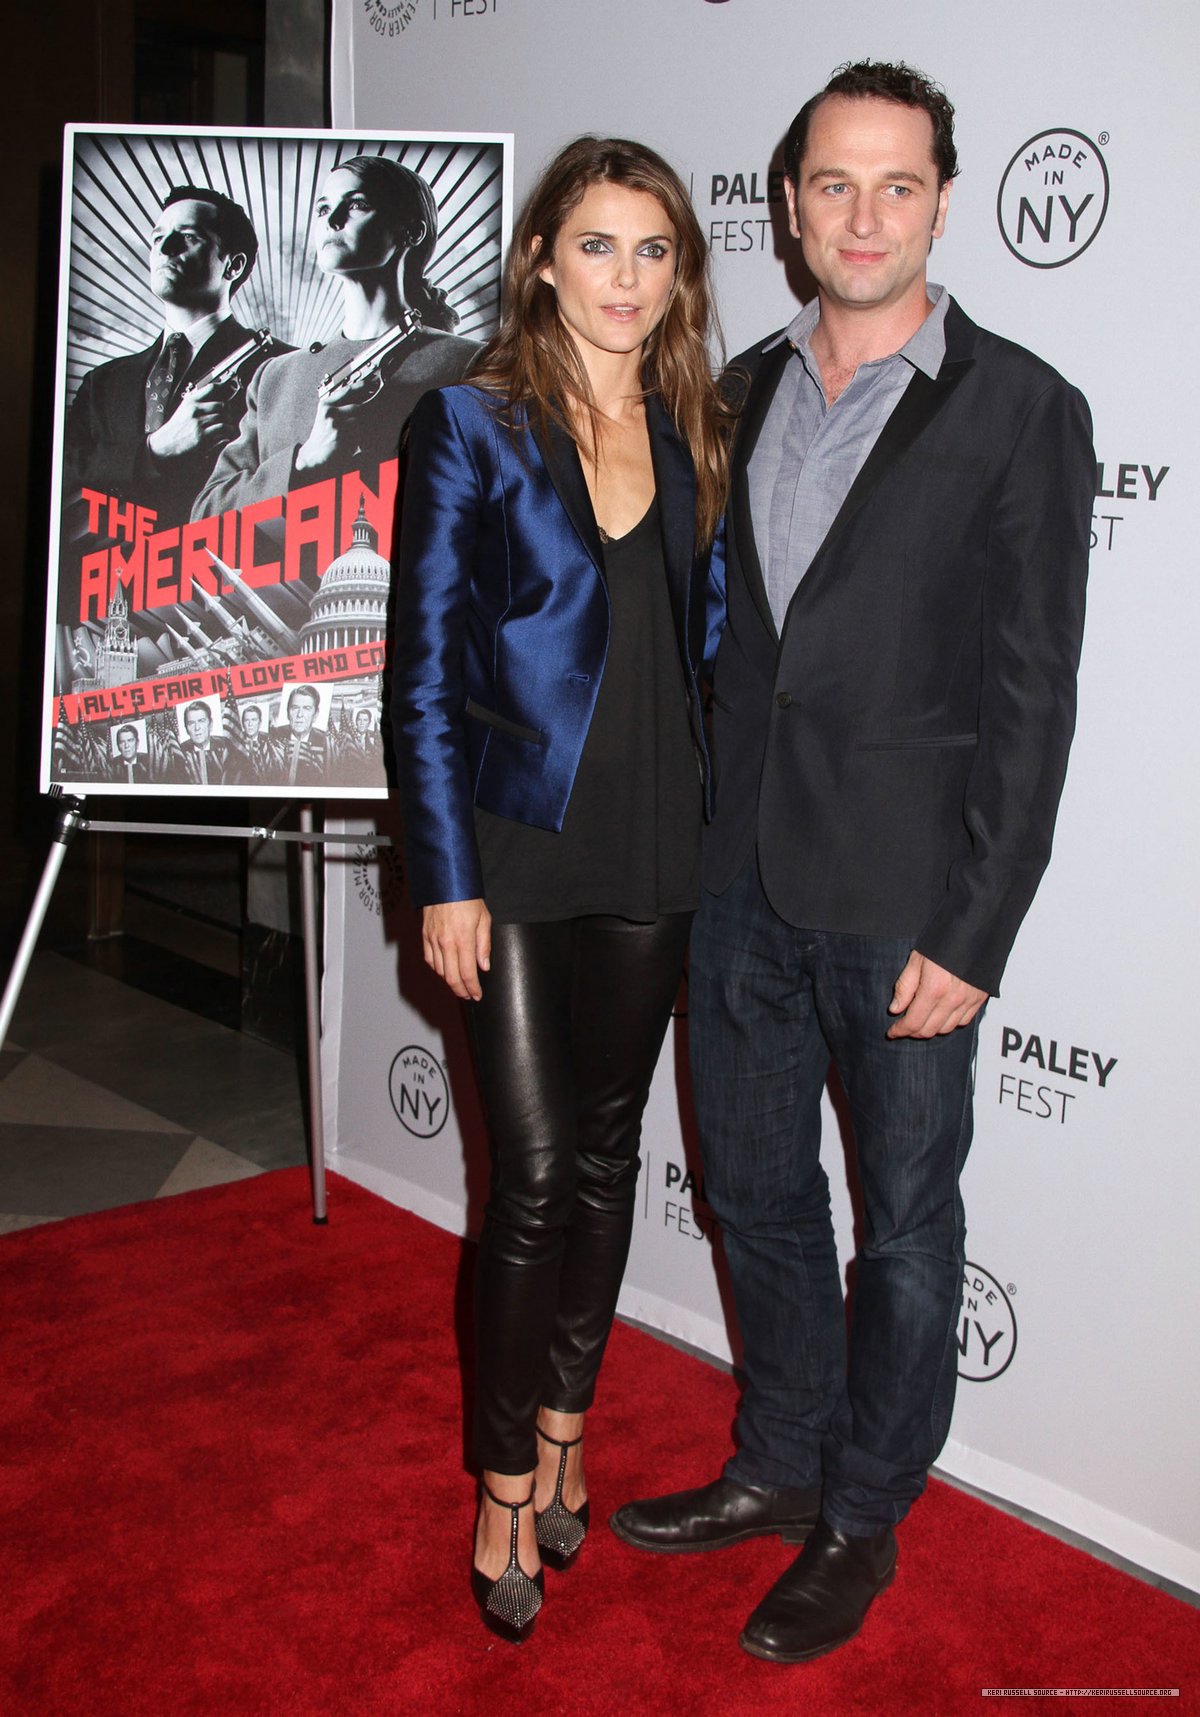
[246, 322]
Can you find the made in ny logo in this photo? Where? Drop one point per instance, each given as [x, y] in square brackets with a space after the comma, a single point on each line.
[987, 1326]
[419, 1093]
[1053, 198]
[378, 877]
[390, 17]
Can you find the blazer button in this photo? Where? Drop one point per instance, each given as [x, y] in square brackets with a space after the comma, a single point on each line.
[784, 700]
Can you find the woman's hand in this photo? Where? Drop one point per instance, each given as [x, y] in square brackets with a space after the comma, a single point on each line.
[457, 937]
[324, 441]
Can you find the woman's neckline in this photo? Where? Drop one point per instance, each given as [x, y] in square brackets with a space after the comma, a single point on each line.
[615, 542]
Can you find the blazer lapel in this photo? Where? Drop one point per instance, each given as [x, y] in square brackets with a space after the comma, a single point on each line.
[675, 481]
[916, 408]
[754, 413]
[560, 456]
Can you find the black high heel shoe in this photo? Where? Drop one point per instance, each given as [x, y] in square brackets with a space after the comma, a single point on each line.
[510, 1604]
[560, 1530]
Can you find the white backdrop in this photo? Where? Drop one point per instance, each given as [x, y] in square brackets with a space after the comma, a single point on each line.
[1071, 230]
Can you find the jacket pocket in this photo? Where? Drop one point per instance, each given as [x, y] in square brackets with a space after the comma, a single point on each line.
[501, 723]
[918, 744]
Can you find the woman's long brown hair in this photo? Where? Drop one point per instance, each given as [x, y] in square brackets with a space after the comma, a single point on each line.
[532, 360]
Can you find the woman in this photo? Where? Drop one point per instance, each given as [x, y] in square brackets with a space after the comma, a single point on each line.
[557, 592]
[375, 229]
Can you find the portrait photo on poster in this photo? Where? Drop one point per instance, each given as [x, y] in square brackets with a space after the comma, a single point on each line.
[246, 321]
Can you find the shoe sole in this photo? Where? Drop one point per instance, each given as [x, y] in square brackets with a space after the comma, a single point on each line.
[508, 1631]
[789, 1535]
[767, 1656]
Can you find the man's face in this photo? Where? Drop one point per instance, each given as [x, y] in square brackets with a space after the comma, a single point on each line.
[300, 715]
[867, 205]
[187, 266]
[199, 725]
[363, 721]
[127, 745]
[251, 722]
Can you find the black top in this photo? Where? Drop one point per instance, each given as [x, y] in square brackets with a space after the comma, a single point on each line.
[630, 840]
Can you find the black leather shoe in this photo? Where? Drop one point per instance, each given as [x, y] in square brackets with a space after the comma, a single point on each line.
[820, 1602]
[717, 1514]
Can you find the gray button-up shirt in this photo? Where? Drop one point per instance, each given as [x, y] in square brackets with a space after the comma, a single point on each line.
[809, 452]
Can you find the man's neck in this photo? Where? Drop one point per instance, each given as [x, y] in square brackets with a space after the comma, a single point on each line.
[846, 337]
[182, 318]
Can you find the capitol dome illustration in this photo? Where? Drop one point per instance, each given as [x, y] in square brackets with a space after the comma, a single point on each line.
[350, 606]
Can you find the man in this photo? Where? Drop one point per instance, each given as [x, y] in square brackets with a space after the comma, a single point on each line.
[128, 768]
[361, 757]
[135, 430]
[894, 699]
[304, 752]
[257, 761]
[202, 759]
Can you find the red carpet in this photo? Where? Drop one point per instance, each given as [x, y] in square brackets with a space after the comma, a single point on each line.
[231, 1481]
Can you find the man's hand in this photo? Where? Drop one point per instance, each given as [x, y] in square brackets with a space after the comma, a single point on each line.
[197, 421]
[932, 1000]
[457, 937]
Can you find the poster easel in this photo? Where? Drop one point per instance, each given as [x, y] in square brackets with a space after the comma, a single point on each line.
[220, 551]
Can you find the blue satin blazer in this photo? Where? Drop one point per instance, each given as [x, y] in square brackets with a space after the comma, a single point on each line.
[502, 623]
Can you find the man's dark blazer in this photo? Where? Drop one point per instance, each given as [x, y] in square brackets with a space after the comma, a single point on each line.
[120, 772]
[502, 620]
[899, 752]
[105, 444]
[310, 753]
[216, 769]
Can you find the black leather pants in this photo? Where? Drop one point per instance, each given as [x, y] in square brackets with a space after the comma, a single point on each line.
[566, 1039]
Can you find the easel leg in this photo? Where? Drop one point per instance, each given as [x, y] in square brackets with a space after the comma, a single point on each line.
[312, 997]
[69, 823]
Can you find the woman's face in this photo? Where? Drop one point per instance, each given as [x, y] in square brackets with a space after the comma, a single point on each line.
[613, 268]
[351, 233]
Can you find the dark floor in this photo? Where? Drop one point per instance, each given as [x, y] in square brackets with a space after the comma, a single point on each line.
[109, 1095]
[126, 1075]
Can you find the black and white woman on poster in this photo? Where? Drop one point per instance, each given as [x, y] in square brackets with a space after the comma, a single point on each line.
[341, 406]
[558, 591]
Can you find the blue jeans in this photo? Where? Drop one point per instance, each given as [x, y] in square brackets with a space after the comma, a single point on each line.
[769, 1007]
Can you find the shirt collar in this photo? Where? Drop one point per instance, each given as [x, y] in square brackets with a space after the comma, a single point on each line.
[924, 350]
[200, 332]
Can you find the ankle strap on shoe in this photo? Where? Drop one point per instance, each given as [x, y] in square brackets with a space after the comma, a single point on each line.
[557, 1441]
[499, 1500]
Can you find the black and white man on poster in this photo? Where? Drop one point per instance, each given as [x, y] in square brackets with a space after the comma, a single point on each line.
[148, 428]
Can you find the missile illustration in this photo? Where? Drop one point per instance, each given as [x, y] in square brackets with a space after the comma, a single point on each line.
[287, 640]
[181, 643]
